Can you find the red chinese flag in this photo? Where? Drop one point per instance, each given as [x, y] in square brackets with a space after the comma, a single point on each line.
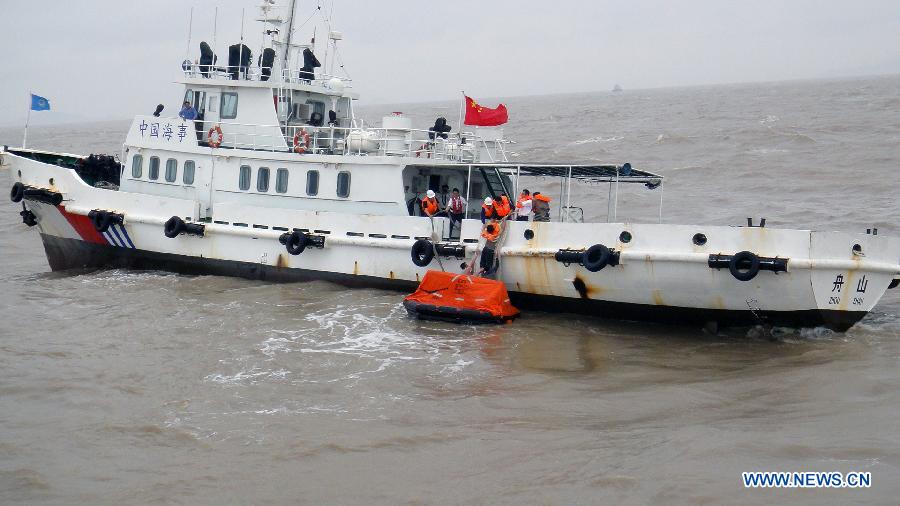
[484, 116]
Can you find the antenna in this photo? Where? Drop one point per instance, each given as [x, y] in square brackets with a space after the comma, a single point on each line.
[290, 30]
[187, 50]
[241, 50]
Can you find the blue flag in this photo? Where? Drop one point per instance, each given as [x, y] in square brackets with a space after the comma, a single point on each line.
[39, 103]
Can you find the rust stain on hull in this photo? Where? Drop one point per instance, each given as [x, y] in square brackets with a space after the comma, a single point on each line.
[280, 261]
[658, 298]
[585, 290]
[355, 268]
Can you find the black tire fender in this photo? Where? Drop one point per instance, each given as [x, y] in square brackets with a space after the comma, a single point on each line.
[595, 258]
[742, 257]
[173, 227]
[296, 243]
[17, 192]
[422, 252]
[101, 220]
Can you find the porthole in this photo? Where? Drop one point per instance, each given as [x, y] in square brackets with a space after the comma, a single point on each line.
[857, 249]
[529, 234]
[625, 237]
[699, 239]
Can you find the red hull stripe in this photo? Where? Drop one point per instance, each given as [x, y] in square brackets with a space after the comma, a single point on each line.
[83, 225]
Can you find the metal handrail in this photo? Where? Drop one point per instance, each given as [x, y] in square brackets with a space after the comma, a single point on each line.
[356, 140]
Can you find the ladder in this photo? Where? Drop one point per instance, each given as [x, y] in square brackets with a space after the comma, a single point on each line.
[494, 181]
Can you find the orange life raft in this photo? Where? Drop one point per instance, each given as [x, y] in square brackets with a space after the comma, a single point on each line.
[460, 298]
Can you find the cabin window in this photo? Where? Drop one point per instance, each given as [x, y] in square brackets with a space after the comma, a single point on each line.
[137, 166]
[229, 105]
[244, 178]
[154, 168]
[343, 184]
[189, 96]
[262, 179]
[213, 103]
[312, 183]
[171, 170]
[281, 181]
[188, 175]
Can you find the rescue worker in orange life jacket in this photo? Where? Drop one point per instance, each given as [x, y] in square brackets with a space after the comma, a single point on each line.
[505, 206]
[523, 206]
[541, 207]
[430, 204]
[490, 232]
[489, 210]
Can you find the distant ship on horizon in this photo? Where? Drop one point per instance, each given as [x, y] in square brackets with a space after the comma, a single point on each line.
[617, 88]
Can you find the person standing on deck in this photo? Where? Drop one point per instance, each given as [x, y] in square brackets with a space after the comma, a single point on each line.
[490, 210]
[430, 204]
[523, 206]
[188, 112]
[444, 197]
[540, 207]
[456, 210]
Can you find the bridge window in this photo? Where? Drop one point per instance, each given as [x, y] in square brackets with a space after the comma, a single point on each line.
[262, 179]
[188, 175]
[281, 181]
[171, 170]
[229, 105]
[343, 184]
[154, 168]
[137, 166]
[244, 178]
[312, 183]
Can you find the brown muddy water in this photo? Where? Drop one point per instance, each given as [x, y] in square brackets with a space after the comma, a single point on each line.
[146, 387]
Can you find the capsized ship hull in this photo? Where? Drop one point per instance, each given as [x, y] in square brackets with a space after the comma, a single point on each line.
[662, 273]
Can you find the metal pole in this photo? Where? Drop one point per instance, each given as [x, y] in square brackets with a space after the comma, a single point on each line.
[241, 50]
[616, 206]
[460, 123]
[661, 187]
[468, 186]
[569, 193]
[215, 31]
[27, 120]
[609, 202]
[187, 51]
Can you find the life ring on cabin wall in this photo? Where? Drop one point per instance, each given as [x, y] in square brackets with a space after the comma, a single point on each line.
[301, 147]
[215, 136]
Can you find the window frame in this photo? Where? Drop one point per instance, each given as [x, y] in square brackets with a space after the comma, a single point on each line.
[184, 172]
[150, 174]
[222, 111]
[245, 169]
[309, 176]
[259, 179]
[279, 188]
[174, 172]
[338, 186]
[139, 158]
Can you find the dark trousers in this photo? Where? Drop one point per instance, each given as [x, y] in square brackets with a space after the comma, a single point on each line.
[454, 219]
[522, 218]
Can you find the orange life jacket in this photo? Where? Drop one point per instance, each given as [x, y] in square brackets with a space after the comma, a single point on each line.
[489, 210]
[430, 206]
[491, 236]
[504, 207]
[522, 199]
[542, 197]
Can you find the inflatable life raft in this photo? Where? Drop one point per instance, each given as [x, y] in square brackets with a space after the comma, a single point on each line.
[460, 298]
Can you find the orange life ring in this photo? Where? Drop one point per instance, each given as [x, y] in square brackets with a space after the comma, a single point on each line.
[215, 136]
[298, 146]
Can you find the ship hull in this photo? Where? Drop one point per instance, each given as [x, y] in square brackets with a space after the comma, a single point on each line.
[68, 254]
[668, 273]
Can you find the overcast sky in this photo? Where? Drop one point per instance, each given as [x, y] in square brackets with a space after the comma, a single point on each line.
[111, 59]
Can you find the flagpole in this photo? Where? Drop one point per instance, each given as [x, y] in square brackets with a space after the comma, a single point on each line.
[461, 103]
[27, 120]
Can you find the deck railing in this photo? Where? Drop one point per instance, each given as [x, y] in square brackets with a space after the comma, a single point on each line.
[257, 73]
[358, 140]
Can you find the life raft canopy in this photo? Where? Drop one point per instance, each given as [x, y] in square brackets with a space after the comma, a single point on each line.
[460, 298]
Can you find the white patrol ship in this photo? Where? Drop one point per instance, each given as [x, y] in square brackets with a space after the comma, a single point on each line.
[276, 179]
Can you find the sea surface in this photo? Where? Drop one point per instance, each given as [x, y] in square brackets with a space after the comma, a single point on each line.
[124, 387]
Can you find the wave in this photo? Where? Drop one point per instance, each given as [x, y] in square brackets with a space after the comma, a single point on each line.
[594, 140]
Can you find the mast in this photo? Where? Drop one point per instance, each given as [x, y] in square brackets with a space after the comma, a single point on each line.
[290, 28]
